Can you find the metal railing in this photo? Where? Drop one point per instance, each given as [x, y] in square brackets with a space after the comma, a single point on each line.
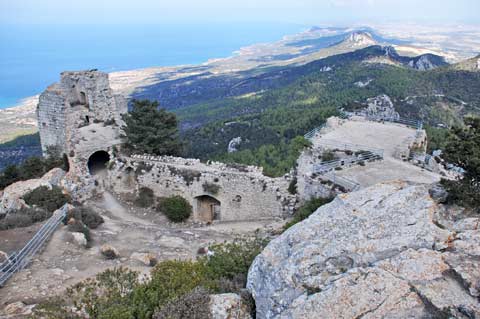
[359, 159]
[19, 260]
[347, 184]
[360, 153]
[405, 121]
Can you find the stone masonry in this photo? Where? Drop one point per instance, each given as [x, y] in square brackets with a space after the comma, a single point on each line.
[235, 192]
[80, 116]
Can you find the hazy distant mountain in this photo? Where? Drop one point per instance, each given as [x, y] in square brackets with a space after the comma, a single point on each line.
[358, 39]
[472, 65]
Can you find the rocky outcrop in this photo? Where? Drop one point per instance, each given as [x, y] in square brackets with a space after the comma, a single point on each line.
[234, 144]
[109, 251]
[11, 197]
[382, 252]
[381, 107]
[148, 259]
[228, 306]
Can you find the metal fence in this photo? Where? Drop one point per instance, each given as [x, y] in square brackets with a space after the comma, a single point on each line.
[360, 154]
[19, 260]
[405, 121]
[347, 184]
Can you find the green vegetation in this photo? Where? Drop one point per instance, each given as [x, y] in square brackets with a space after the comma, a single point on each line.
[306, 210]
[86, 215]
[150, 130]
[46, 198]
[437, 138]
[276, 160]
[176, 208]
[211, 188]
[33, 167]
[174, 289]
[302, 98]
[24, 218]
[146, 197]
[463, 150]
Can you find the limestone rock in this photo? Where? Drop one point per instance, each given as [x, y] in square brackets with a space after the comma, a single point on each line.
[228, 306]
[79, 239]
[374, 253]
[148, 259]
[438, 193]
[233, 144]
[11, 198]
[18, 308]
[381, 107]
[109, 252]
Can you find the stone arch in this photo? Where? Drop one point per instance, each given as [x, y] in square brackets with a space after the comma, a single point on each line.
[207, 208]
[83, 98]
[97, 162]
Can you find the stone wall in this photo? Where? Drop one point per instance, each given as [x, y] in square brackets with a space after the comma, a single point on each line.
[51, 119]
[79, 116]
[243, 192]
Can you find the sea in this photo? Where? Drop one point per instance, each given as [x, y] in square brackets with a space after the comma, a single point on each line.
[32, 56]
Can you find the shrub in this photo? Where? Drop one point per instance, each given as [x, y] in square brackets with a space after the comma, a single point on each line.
[146, 197]
[292, 187]
[175, 289]
[194, 304]
[85, 215]
[231, 260]
[169, 280]
[23, 218]
[211, 188]
[176, 208]
[48, 199]
[79, 227]
[328, 155]
[307, 209]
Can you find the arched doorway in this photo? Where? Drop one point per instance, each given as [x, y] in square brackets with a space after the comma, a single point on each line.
[207, 208]
[83, 98]
[97, 162]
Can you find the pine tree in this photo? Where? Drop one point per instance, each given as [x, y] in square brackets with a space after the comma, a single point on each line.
[151, 130]
[463, 150]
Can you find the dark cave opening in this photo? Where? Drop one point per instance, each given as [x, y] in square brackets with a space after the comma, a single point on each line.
[97, 162]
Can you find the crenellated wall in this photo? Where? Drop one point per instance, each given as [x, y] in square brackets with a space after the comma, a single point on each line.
[242, 192]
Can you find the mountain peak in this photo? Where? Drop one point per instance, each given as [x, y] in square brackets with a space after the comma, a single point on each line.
[360, 38]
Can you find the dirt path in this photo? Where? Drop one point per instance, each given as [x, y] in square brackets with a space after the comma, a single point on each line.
[130, 230]
[111, 204]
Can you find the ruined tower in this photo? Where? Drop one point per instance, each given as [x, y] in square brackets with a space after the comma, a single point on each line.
[81, 117]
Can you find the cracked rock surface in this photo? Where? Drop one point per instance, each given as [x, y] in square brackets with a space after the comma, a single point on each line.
[382, 252]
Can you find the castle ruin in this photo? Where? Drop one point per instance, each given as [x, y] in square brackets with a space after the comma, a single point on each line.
[82, 118]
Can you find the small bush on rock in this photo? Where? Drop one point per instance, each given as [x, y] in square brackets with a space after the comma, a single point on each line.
[46, 198]
[79, 227]
[231, 260]
[86, 215]
[211, 188]
[146, 197]
[307, 209]
[194, 304]
[176, 208]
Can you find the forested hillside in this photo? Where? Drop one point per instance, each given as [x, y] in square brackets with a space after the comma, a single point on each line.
[267, 121]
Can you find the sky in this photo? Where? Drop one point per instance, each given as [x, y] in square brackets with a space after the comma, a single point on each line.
[305, 12]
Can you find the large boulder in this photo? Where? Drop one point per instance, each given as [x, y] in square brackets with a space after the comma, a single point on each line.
[375, 253]
[11, 197]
